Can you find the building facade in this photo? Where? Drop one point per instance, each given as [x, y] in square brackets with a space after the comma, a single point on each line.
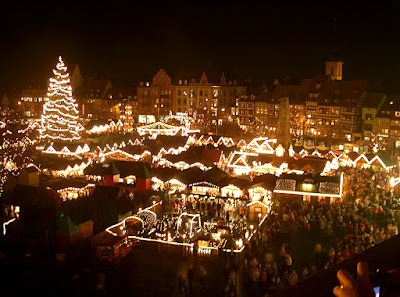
[156, 98]
[95, 99]
[210, 101]
[372, 104]
[245, 116]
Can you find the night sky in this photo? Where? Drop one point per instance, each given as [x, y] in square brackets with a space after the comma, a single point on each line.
[131, 41]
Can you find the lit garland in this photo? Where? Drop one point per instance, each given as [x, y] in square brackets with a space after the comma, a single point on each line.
[160, 128]
[241, 143]
[226, 141]
[71, 193]
[66, 151]
[239, 159]
[371, 161]
[6, 223]
[60, 113]
[329, 188]
[257, 193]
[394, 181]
[231, 190]
[261, 145]
[286, 184]
[192, 218]
[148, 217]
[119, 229]
[203, 184]
[15, 145]
[122, 155]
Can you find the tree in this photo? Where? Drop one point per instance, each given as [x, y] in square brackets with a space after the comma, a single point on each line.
[5, 102]
[60, 113]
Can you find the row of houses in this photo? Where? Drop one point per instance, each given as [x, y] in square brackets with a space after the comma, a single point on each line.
[322, 108]
[189, 92]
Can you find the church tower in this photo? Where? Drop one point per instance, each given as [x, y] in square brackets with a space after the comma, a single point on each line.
[283, 132]
[334, 68]
[334, 63]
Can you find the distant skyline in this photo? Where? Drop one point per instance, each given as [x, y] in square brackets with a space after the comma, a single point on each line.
[129, 41]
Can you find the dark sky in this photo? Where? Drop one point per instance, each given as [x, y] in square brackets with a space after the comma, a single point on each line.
[129, 41]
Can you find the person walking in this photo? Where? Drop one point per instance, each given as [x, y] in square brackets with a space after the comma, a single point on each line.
[304, 274]
[264, 278]
[190, 276]
[278, 283]
[288, 260]
[293, 278]
[230, 288]
[203, 274]
[182, 286]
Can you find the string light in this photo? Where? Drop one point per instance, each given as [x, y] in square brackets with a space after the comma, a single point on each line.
[329, 188]
[261, 145]
[6, 223]
[60, 112]
[286, 184]
[164, 129]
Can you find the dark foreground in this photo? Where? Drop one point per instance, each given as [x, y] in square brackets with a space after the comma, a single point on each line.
[144, 272]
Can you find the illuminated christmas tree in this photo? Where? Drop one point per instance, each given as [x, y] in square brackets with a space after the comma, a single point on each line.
[60, 113]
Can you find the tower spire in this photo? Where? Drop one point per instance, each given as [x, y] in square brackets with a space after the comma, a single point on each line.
[334, 25]
[334, 63]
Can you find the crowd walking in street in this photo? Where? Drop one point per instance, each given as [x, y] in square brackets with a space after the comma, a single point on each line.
[364, 217]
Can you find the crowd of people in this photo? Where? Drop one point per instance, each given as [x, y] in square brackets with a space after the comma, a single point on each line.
[337, 231]
[226, 208]
[275, 258]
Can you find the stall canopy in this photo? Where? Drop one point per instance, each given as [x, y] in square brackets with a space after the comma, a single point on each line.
[67, 233]
[309, 184]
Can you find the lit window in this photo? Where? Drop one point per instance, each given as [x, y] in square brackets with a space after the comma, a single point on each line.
[307, 187]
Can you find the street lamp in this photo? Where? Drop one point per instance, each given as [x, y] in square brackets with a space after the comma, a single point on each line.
[158, 111]
[216, 117]
[304, 125]
[183, 246]
[315, 138]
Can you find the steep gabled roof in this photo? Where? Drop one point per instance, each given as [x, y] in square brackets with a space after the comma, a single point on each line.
[105, 193]
[97, 122]
[240, 182]
[54, 162]
[213, 155]
[94, 88]
[314, 164]
[62, 183]
[101, 169]
[213, 75]
[67, 227]
[38, 204]
[268, 180]
[373, 100]
[165, 173]
[189, 175]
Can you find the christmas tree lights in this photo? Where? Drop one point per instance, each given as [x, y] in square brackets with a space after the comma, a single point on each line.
[60, 113]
